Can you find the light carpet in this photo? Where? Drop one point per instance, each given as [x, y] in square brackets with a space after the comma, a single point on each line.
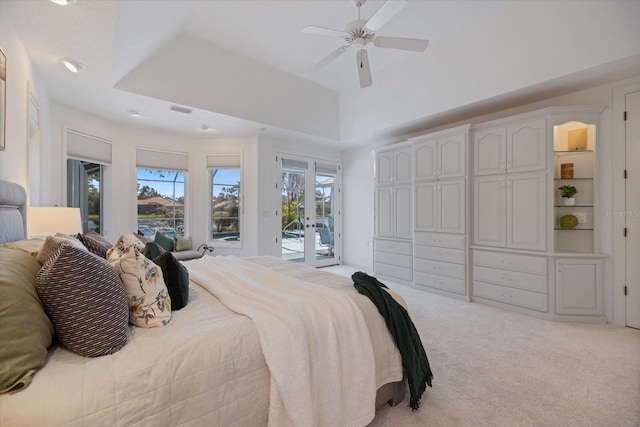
[494, 367]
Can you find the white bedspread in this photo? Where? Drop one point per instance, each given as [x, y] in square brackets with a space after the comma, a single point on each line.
[314, 339]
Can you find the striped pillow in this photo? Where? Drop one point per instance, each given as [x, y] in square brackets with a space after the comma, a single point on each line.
[85, 299]
[95, 243]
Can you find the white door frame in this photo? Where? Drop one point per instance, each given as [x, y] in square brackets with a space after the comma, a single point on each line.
[619, 202]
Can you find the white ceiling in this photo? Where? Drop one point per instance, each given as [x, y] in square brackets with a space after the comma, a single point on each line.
[113, 38]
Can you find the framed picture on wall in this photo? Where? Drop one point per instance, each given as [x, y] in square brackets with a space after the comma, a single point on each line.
[3, 97]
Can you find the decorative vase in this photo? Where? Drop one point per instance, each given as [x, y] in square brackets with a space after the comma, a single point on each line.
[569, 201]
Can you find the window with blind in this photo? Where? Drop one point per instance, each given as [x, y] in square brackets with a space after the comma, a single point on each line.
[225, 174]
[87, 156]
[161, 191]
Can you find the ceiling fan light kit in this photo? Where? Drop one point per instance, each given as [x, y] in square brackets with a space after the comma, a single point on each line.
[361, 32]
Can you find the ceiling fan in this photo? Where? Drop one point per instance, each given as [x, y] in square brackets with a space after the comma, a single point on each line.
[361, 32]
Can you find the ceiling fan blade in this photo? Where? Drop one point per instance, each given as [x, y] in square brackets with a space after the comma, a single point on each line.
[333, 55]
[364, 72]
[321, 31]
[385, 13]
[416, 45]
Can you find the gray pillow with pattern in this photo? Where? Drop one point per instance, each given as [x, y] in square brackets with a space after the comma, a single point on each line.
[86, 301]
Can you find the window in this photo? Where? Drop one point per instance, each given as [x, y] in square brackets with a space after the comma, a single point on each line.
[83, 191]
[161, 192]
[160, 202]
[87, 159]
[225, 175]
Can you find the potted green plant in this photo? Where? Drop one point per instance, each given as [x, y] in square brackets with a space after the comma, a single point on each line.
[567, 192]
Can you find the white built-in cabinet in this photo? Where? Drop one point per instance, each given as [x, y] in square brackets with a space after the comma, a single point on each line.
[474, 212]
[510, 211]
[522, 257]
[440, 211]
[393, 213]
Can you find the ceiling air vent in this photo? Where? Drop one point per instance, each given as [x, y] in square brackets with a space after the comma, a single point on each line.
[181, 109]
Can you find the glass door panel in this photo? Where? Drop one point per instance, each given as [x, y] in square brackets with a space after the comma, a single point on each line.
[293, 219]
[324, 216]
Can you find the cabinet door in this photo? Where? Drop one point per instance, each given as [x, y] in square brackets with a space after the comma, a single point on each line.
[490, 211]
[402, 212]
[527, 210]
[490, 151]
[451, 206]
[426, 206]
[578, 287]
[452, 156]
[526, 146]
[425, 153]
[402, 165]
[384, 212]
[384, 168]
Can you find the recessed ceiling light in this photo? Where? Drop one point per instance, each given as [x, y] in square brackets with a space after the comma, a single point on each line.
[72, 65]
[63, 2]
[134, 113]
[206, 128]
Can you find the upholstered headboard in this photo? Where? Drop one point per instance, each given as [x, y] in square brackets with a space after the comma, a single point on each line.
[13, 212]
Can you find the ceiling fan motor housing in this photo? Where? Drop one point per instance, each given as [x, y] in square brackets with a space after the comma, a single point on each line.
[357, 33]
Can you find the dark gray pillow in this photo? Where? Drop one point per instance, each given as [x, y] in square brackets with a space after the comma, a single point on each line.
[95, 243]
[85, 299]
[176, 277]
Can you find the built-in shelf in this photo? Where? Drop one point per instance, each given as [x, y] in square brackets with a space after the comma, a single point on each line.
[573, 229]
[572, 179]
[571, 153]
[573, 206]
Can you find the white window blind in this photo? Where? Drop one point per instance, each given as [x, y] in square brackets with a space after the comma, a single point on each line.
[223, 160]
[155, 159]
[294, 164]
[85, 147]
[326, 169]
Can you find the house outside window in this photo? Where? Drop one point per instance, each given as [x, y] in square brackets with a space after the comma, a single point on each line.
[225, 175]
[161, 198]
[160, 202]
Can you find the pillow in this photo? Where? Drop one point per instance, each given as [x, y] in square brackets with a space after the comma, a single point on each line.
[52, 243]
[183, 243]
[86, 301]
[165, 241]
[25, 330]
[134, 240]
[152, 250]
[176, 277]
[149, 300]
[95, 243]
[30, 246]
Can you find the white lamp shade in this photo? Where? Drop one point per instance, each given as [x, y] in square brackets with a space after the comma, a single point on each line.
[47, 221]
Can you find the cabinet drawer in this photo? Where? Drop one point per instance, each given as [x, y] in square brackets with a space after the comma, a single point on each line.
[513, 279]
[439, 282]
[393, 259]
[440, 240]
[448, 269]
[393, 246]
[403, 273]
[440, 254]
[524, 263]
[519, 297]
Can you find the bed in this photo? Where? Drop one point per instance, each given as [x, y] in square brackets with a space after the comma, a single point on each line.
[206, 366]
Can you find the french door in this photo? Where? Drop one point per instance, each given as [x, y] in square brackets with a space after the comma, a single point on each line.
[310, 212]
[632, 213]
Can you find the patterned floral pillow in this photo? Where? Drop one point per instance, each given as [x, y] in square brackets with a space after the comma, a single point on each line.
[149, 301]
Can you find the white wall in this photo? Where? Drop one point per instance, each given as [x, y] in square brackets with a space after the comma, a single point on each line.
[358, 166]
[21, 78]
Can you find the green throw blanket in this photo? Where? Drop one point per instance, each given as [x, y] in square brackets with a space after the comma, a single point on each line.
[414, 358]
